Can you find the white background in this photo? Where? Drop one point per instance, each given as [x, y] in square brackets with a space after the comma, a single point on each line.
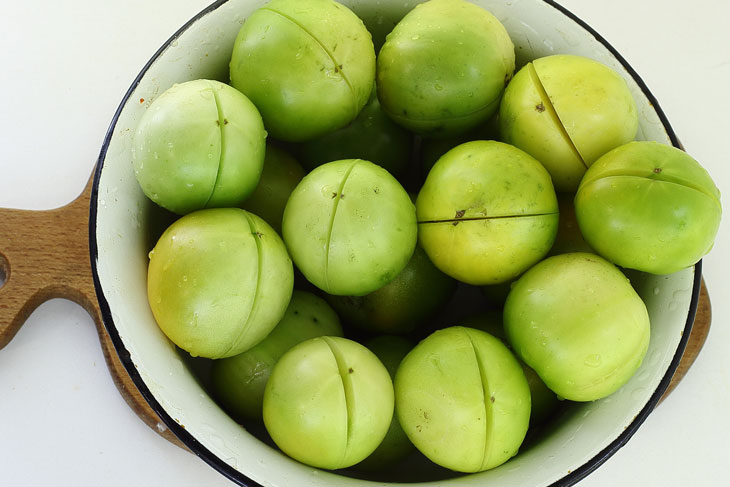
[64, 67]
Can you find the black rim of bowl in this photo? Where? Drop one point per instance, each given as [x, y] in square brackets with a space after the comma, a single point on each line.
[214, 461]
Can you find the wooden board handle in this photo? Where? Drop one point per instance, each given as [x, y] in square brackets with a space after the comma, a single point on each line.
[45, 255]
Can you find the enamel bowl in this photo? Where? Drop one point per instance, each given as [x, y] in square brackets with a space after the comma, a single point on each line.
[125, 225]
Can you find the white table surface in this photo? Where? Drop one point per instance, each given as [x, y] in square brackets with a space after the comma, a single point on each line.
[64, 67]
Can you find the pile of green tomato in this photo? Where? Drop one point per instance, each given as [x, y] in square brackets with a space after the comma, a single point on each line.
[288, 245]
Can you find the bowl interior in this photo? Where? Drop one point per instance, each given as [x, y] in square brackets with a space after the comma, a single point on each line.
[126, 226]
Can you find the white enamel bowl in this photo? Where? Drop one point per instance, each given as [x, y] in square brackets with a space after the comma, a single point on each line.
[572, 446]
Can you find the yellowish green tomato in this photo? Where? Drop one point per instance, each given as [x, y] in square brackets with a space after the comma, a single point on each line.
[486, 213]
[443, 68]
[576, 320]
[544, 401]
[199, 145]
[280, 176]
[308, 65]
[402, 305]
[650, 207]
[372, 136]
[328, 402]
[239, 381]
[463, 400]
[567, 111]
[350, 227]
[218, 282]
[395, 446]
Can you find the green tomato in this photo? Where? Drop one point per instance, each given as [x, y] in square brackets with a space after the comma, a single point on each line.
[576, 320]
[280, 176]
[486, 213]
[350, 227]
[567, 111]
[569, 238]
[487, 321]
[432, 148]
[544, 401]
[443, 69]
[308, 65]
[219, 280]
[199, 145]
[402, 305]
[328, 402]
[381, 17]
[395, 446]
[390, 349]
[649, 207]
[463, 400]
[239, 381]
[372, 136]
[496, 294]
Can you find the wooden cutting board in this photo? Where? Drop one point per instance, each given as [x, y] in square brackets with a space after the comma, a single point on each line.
[45, 255]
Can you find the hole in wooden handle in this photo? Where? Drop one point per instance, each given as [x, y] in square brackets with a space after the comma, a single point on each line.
[4, 270]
